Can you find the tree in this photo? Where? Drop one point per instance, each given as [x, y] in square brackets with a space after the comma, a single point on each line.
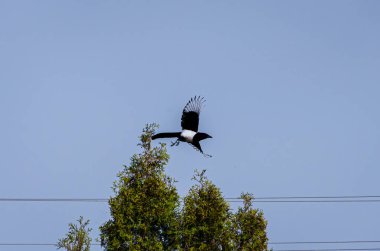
[249, 227]
[146, 213]
[77, 239]
[144, 210]
[205, 217]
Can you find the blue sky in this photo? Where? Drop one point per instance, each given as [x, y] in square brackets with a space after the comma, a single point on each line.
[292, 91]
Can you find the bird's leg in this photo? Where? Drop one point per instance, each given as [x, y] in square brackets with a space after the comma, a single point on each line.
[176, 143]
[198, 147]
[207, 155]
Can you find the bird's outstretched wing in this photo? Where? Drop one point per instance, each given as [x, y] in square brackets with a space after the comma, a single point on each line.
[190, 114]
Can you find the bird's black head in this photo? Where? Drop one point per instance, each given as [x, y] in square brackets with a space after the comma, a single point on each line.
[201, 136]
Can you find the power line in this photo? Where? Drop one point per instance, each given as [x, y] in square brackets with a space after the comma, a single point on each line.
[28, 244]
[270, 243]
[314, 201]
[319, 242]
[37, 244]
[285, 199]
[318, 197]
[52, 200]
[328, 249]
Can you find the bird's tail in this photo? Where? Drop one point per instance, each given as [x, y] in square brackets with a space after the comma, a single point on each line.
[198, 147]
[166, 135]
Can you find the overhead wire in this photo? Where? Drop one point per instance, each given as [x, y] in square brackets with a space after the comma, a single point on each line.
[322, 242]
[271, 199]
[269, 243]
[329, 249]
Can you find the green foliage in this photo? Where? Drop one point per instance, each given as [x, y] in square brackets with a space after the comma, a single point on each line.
[205, 217]
[249, 227]
[146, 212]
[77, 239]
[144, 209]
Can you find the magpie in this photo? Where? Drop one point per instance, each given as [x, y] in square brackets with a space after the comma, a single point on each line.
[189, 124]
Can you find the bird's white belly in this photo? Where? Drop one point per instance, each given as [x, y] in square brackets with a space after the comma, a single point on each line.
[188, 135]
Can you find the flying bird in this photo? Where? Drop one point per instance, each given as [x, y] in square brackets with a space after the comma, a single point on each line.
[189, 124]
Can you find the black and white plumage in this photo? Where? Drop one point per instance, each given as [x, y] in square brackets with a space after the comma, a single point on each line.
[189, 124]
